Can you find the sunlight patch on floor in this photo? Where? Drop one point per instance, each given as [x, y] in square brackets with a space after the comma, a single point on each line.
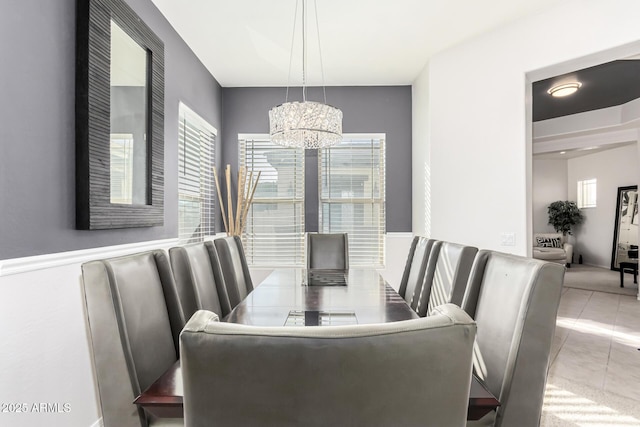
[599, 329]
[583, 412]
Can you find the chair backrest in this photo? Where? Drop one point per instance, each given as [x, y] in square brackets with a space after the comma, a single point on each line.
[127, 301]
[414, 269]
[328, 376]
[446, 276]
[235, 271]
[200, 285]
[328, 251]
[514, 301]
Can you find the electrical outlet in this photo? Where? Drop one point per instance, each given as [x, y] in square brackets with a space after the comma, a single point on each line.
[507, 239]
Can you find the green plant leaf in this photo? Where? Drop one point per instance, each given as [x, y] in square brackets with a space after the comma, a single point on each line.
[564, 216]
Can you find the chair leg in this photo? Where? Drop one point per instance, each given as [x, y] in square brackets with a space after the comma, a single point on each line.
[621, 277]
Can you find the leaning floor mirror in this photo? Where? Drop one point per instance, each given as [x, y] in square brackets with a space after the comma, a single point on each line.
[625, 235]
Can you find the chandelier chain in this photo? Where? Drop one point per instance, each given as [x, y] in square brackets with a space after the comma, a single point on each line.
[293, 37]
[324, 89]
[304, 50]
[306, 124]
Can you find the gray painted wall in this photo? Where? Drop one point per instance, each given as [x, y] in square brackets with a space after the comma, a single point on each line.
[37, 126]
[376, 109]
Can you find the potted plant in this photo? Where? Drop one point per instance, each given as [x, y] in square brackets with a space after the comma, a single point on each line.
[564, 215]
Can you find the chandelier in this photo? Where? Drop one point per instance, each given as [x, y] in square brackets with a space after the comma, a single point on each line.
[306, 124]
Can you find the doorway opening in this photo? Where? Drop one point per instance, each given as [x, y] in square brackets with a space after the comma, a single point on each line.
[589, 136]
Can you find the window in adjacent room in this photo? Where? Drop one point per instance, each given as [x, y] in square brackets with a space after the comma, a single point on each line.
[274, 232]
[196, 190]
[587, 193]
[121, 158]
[352, 196]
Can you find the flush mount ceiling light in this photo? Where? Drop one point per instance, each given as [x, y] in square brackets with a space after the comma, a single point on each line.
[305, 124]
[564, 89]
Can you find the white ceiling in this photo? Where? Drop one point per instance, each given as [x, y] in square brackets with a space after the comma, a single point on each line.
[364, 42]
[587, 133]
[579, 152]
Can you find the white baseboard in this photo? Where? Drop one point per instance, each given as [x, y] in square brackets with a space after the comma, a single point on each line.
[402, 234]
[41, 262]
[606, 267]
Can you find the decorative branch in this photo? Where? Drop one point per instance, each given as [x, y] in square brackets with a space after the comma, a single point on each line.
[234, 224]
[231, 230]
[224, 215]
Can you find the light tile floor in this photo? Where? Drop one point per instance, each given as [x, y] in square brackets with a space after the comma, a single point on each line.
[594, 378]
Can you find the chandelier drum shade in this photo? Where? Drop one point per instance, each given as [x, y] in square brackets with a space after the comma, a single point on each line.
[306, 124]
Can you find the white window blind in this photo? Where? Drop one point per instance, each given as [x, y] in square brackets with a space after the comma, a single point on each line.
[352, 196]
[587, 193]
[196, 190]
[274, 232]
[121, 173]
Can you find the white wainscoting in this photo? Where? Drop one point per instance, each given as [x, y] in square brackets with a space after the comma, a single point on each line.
[45, 356]
[397, 249]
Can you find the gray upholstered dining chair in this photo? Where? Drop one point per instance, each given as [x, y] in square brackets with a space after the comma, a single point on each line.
[414, 270]
[328, 251]
[360, 375]
[446, 276]
[198, 277]
[128, 301]
[235, 271]
[514, 301]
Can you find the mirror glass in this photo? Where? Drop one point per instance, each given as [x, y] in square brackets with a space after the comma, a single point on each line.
[626, 238]
[128, 135]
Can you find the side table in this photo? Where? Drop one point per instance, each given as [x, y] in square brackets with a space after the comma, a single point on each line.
[629, 266]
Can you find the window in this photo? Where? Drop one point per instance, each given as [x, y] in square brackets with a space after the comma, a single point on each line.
[587, 193]
[196, 192]
[121, 158]
[352, 196]
[274, 231]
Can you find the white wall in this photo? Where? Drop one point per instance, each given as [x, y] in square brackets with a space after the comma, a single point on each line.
[397, 247]
[421, 198]
[45, 356]
[549, 185]
[479, 114]
[612, 169]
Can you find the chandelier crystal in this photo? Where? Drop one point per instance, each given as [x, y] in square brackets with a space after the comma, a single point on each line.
[306, 124]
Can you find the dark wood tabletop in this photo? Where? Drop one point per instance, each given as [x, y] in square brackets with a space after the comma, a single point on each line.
[366, 294]
[294, 296]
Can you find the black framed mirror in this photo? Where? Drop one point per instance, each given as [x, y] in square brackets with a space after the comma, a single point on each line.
[119, 118]
[625, 234]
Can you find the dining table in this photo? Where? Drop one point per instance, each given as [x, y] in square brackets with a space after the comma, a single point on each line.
[302, 297]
